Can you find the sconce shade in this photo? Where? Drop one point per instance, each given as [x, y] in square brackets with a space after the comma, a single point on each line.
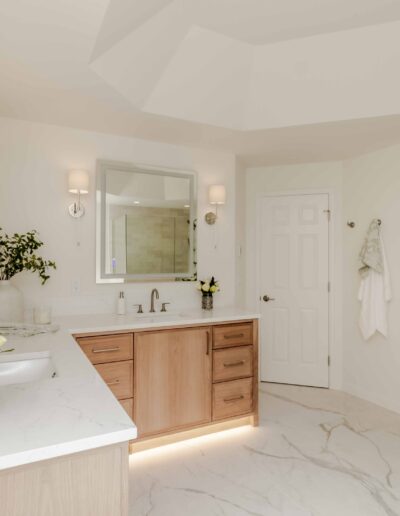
[216, 194]
[78, 181]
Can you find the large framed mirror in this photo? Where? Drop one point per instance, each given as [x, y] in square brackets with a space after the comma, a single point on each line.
[146, 223]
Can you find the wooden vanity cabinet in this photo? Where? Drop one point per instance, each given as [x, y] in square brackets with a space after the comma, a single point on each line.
[112, 356]
[235, 370]
[181, 378]
[172, 380]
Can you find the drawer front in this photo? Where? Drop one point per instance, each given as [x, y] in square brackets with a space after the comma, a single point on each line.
[232, 335]
[128, 406]
[107, 348]
[119, 377]
[232, 398]
[232, 363]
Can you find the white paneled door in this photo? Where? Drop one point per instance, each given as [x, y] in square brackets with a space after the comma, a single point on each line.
[294, 289]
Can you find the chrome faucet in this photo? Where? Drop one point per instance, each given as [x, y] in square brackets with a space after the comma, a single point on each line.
[153, 292]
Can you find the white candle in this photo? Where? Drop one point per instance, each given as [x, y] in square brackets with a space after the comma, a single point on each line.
[42, 315]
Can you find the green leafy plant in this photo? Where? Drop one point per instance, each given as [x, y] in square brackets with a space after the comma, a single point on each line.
[17, 254]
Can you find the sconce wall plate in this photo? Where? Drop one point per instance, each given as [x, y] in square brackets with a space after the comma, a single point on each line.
[210, 218]
[76, 210]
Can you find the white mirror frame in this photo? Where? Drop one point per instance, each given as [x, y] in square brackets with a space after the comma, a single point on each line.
[102, 166]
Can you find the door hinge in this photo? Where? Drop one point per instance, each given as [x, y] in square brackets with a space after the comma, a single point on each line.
[328, 214]
[329, 360]
[329, 286]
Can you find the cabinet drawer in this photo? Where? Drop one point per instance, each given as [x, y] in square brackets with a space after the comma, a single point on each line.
[119, 377]
[107, 348]
[232, 398]
[232, 363]
[128, 406]
[232, 335]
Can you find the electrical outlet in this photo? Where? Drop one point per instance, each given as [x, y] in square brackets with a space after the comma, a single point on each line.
[76, 287]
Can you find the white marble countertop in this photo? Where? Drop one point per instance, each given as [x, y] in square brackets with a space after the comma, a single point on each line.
[132, 321]
[75, 411]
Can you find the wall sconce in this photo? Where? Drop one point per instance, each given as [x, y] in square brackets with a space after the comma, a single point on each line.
[216, 196]
[78, 183]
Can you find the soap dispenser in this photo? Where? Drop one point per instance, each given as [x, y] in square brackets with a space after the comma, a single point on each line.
[121, 305]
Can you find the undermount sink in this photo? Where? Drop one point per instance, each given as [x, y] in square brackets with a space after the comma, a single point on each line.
[158, 315]
[26, 370]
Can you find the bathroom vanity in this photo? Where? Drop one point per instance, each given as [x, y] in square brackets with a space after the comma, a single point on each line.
[64, 441]
[182, 375]
[64, 438]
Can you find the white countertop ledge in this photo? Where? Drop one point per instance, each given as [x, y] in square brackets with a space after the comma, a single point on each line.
[75, 411]
[132, 321]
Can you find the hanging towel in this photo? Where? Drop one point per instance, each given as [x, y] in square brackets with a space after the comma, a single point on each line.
[375, 291]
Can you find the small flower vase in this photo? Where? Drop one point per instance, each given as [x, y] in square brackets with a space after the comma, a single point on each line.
[11, 303]
[207, 301]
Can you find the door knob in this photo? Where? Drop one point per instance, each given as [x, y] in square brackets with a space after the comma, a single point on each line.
[267, 298]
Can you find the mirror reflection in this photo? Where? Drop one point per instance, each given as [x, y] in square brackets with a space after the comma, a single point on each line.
[148, 223]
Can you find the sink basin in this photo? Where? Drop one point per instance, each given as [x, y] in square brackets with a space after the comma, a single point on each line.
[28, 370]
[157, 315]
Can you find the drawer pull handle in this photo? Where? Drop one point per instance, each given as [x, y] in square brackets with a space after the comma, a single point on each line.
[234, 336]
[234, 364]
[234, 398]
[113, 382]
[105, 350]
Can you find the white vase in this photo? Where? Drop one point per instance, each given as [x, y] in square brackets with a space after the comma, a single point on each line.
[11, 303]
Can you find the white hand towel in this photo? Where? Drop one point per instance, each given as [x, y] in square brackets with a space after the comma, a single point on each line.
[375, 292]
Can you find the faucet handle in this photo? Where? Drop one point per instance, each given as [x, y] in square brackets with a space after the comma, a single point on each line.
[164, 307]
[140, 308]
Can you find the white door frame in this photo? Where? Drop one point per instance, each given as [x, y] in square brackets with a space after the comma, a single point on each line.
[331, 254]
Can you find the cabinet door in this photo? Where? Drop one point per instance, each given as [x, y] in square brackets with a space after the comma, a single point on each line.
[172, 379]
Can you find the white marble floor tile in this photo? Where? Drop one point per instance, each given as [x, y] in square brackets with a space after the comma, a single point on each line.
[316, 453]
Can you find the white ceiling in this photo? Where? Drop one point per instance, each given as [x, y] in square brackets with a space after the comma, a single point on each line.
[227, 74]
[256, 22]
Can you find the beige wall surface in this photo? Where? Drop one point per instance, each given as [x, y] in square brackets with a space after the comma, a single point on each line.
[34, 161]
[372, 190]
[363, 188]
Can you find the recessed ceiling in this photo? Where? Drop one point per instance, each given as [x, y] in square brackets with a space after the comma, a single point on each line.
[265, 79]
[253, 64]
[256, 22]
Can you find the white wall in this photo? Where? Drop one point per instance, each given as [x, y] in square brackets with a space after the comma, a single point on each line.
[372, 189]
[34, 161]
[240, 258]
[315, 176]
[364, 188]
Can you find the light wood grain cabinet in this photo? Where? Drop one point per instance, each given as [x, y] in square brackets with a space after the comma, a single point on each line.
[102, 349]
[176, 379]
[119, 378]
[228, 335]
[232, 363]
[128, 406]
[232, 398]
[172, 380]
[112, 356]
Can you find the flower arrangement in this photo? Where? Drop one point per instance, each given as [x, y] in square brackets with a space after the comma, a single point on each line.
[208, 288]
[17, 255]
